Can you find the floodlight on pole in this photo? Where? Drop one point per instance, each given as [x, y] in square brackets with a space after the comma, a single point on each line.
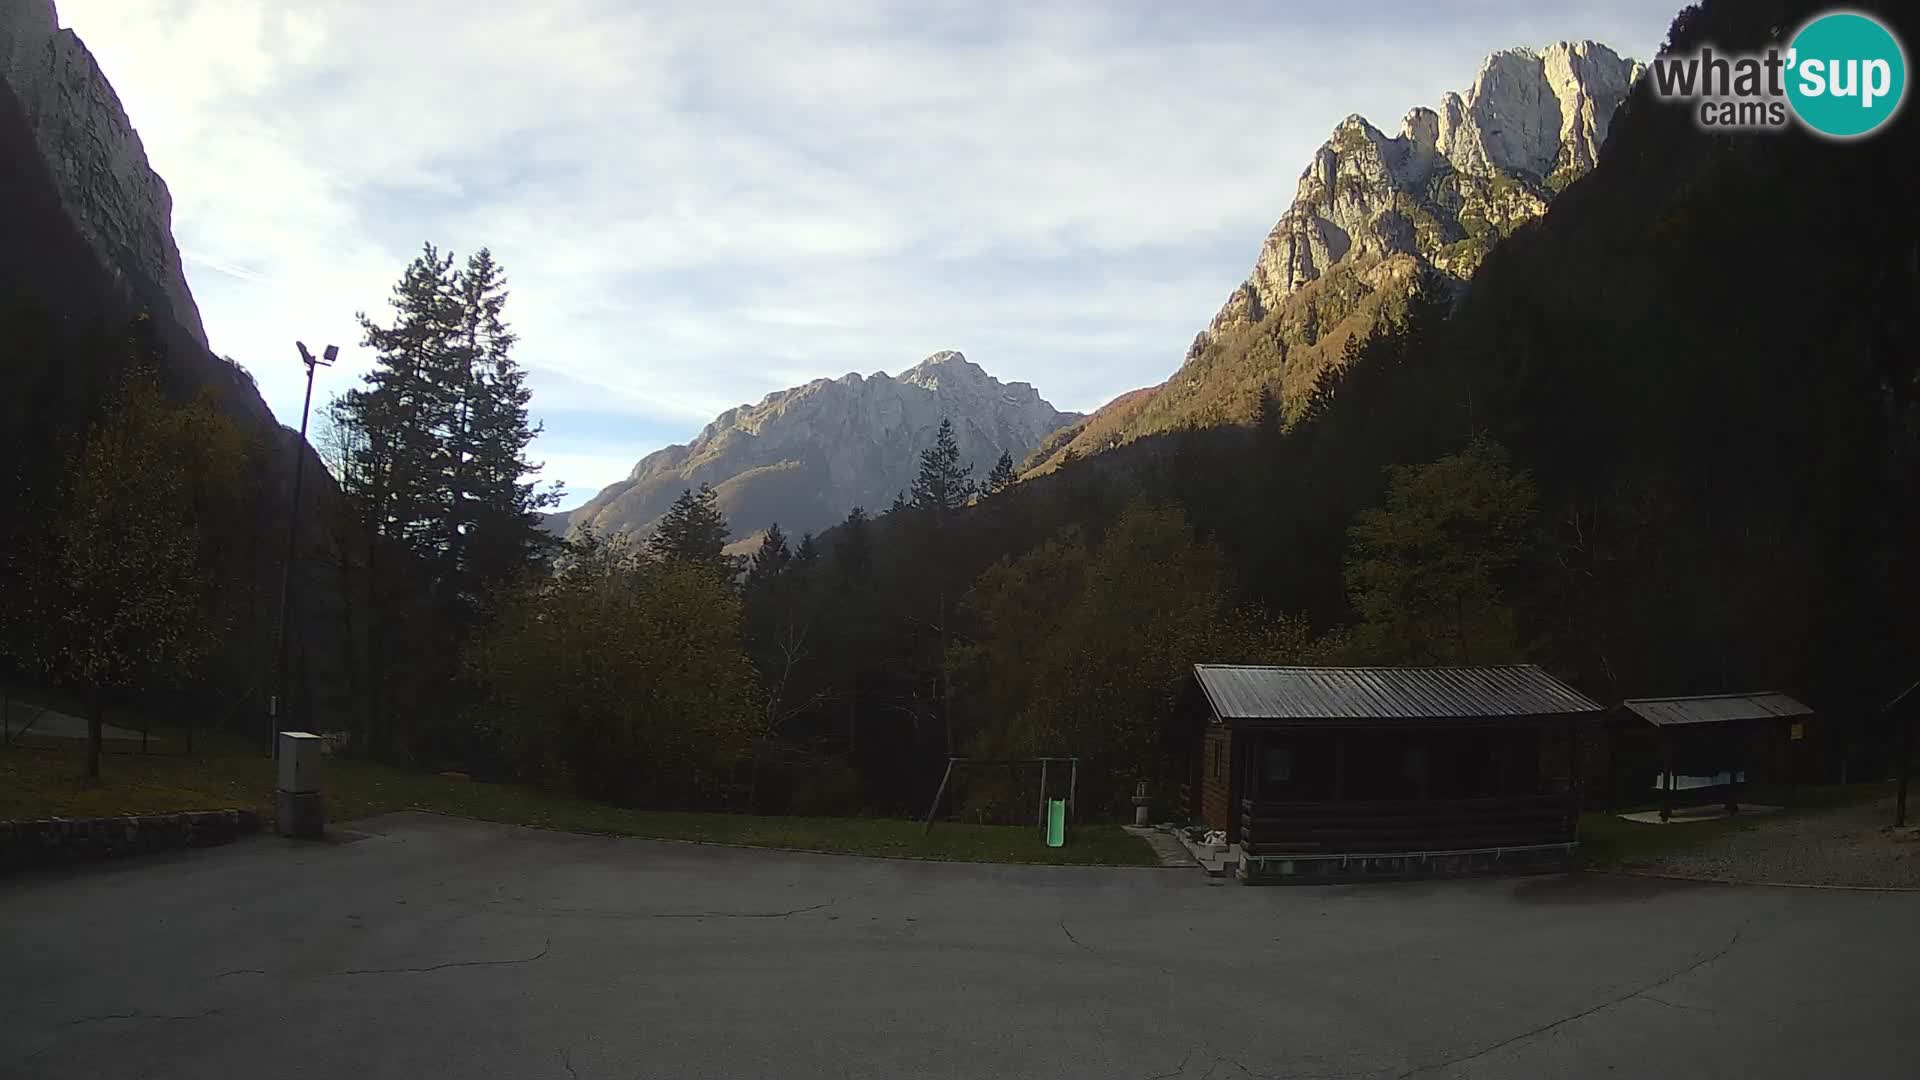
[279, 696]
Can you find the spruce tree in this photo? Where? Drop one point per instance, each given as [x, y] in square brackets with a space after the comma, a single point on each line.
[406, 409]
[496, 512]
[1266, 413]
[693, 531]
[943, 485]
[1002, 477]
[442, 429]
[771, 560]
[431, 454]
[853, 550]
[807, 553]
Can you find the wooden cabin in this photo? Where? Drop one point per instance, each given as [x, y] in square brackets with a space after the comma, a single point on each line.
[1319, 774]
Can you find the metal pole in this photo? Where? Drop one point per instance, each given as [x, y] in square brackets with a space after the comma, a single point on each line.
[928, 827]
[1043, 794]
[1906, 766]
[1666, 791]
[276, 703]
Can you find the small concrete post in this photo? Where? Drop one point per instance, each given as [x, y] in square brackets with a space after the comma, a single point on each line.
[1140, 803]
[297, 796]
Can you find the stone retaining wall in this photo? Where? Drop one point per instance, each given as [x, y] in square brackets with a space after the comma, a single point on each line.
[61, 840]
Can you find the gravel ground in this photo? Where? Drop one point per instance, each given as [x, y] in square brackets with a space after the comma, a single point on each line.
[1851, 845]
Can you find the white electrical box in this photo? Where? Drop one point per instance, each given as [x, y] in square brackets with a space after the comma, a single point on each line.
[300, 762]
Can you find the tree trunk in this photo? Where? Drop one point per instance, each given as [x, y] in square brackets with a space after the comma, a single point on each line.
[94, 737]
[753, 776]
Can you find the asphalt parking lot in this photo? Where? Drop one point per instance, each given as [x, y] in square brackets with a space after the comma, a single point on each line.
[436, 947]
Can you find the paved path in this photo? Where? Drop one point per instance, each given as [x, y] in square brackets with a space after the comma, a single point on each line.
[1165, 848]
[49, 724]
[443, 948]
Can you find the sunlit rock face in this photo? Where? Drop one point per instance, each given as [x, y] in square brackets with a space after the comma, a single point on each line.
[1452, 182]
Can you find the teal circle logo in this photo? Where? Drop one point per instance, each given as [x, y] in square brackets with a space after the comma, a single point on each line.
[1846, 74]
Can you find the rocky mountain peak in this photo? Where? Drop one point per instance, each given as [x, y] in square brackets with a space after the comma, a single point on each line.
[805, 456]
[1535, 112]
[946, 365]
[1370, 212]
[1454, 180]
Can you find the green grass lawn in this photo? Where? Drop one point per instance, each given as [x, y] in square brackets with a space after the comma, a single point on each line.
[36, 782]
[1608, 842]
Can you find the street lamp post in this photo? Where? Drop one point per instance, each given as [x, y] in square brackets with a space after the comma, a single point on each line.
[283, 641]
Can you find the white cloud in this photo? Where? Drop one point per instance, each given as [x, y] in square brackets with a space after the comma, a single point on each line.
[697, 204]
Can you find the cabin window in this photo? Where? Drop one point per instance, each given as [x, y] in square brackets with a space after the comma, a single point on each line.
[1277, 766]
[1374, 767]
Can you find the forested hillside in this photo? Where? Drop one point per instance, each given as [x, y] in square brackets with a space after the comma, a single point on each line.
[1665, 445]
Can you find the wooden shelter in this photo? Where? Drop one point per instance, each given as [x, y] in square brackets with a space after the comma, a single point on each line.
[1711, 736]
[1340, 773]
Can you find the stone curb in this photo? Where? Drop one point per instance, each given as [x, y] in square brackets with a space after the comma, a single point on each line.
[56, 841]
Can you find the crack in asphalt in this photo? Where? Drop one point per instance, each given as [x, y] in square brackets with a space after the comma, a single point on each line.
[237, 971]
[1677, 1005]
[1077, 941]
[544, 949]
[1177, 1069]
[604, 913]
[1608, 1004]
[737, 914]
[566, 1062]
[142, 1016]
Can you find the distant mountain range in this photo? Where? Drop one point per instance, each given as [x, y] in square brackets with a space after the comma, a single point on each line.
[805, 456]
[1371, 212]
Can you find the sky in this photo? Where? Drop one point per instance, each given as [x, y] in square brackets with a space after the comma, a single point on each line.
[698, 204]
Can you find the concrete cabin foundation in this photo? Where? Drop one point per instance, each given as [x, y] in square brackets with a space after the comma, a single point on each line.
[1400, 866]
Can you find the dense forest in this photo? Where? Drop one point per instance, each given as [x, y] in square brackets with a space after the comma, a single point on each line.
[1665, 442]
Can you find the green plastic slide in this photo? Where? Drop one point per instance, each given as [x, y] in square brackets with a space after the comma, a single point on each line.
[1056, 822]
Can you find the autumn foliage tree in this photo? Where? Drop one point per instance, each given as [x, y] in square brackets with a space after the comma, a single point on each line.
[1426, 570]
[1078, 649]
[621, 679]
[133, 601]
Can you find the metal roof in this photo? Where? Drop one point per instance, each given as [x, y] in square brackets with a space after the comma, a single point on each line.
[1715, 708]
[1395, 693]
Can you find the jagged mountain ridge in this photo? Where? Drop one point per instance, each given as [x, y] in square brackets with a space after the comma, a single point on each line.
[804, 456]
[1370, 212]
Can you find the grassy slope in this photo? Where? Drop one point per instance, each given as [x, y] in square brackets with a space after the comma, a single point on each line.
[37, 782]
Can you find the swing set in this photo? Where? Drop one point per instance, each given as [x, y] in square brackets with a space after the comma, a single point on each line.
[1053, 813]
